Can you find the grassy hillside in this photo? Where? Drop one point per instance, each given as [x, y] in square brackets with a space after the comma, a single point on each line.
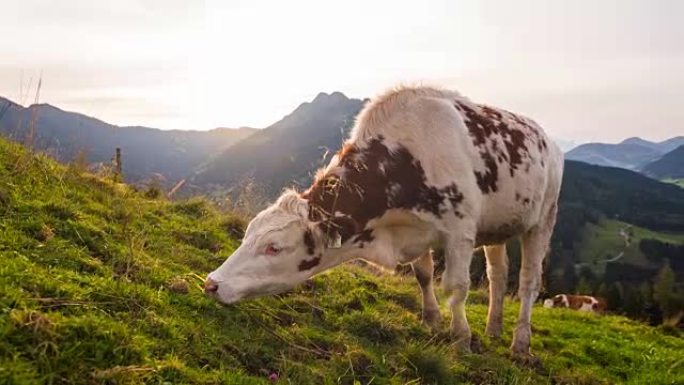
[99, 284]
[616, 240]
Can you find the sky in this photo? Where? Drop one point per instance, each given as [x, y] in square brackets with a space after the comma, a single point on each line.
[586, 70]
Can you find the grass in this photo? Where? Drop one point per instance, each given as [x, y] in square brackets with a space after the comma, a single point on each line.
[101, 285]
[603, 241]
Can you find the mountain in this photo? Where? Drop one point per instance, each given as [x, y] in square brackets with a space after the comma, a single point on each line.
[631, 153]
[669, 166]
[290, 150]
[100, 284]
[672, 143]
[146, 152]
[623, 194]
[624, 155]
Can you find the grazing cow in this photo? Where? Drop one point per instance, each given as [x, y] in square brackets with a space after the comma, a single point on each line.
[422, 168]
[577, 302]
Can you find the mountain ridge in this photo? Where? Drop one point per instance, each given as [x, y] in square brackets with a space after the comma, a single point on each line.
[288, 150]
[631, 153]
[669, 166]
[147, 152]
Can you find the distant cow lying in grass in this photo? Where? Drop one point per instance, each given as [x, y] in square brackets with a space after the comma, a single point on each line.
[577, 302]
[422, 168]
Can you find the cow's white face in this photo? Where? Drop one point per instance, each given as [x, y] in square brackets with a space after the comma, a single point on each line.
[280, 250]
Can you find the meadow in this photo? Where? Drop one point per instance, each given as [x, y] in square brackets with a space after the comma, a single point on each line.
[100, 283]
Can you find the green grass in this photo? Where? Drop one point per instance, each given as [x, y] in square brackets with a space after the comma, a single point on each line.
[100, 285]
[603, 241]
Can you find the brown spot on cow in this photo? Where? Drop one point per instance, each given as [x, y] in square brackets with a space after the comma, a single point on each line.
[487, 180]
[373, 181]
[309, 242]
[485, 127]
[309, 264]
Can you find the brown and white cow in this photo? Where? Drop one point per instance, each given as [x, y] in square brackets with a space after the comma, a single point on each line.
[577, 302]
[423, 168]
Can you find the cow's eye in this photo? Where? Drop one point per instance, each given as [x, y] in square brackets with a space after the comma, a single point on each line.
[272, 249]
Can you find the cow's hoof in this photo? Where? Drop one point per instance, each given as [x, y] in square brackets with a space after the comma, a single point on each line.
[476, 345]
[463, 343]
[496, 339]
[527, 360]
[493, 332]
[432, 319]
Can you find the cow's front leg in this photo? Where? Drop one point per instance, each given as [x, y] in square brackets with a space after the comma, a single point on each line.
[458, 253]
[423, 268]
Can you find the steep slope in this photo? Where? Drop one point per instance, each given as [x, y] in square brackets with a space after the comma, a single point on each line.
[146, 151]
[670, 165]
[286, 152]
[99, 284]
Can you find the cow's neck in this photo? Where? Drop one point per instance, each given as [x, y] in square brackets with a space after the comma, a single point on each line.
[362, 184]
[367, 180]
[349, 195]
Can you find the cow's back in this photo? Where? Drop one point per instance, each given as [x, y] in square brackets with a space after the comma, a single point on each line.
[506, 167]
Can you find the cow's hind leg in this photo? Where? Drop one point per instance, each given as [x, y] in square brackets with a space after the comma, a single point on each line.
[423, 268]
[458, 253]
[497, 273]
[535, 245]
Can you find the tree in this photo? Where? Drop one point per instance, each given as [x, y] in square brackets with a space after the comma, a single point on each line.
[633, 301]
[663, 291]
[583, 287]
[614, 296]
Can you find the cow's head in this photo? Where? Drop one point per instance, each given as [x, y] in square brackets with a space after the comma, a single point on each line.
[281, 249]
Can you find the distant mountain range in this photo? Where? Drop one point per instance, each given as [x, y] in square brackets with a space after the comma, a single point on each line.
[632, 154]
[285, 153]
[147, 152]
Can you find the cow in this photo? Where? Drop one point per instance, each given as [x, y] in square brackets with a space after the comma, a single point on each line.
[423, 168]
[577, 302]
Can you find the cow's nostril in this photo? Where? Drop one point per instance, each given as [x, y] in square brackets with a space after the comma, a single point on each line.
[210, 286]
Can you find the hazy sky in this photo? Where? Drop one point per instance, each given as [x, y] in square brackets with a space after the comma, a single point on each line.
[585, 69]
